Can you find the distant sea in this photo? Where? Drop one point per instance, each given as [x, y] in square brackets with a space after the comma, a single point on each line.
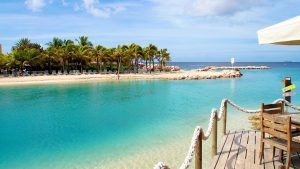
[131, 124]
[196, 65]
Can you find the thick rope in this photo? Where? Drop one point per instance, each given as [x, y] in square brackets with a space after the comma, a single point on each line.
[214, 113]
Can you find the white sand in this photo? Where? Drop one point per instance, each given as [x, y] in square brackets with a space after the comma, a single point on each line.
[180, 75]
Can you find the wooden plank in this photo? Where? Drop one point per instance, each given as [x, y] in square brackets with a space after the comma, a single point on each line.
[226, 150]
[268, 156]
[278, 119]
[219, 151]
[273, 111]
[240, 150]
[276, 160]
[240, 163]
[257, 150]
[234, 151]
[272, 106]
[275, 133]
[275, 126]
[250, 158]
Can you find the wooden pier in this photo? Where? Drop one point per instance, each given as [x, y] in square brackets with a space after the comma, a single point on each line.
[236, 149]
[239, 150]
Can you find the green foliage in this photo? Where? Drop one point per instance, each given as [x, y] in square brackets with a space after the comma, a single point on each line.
[62, 54]
[167, 69]
[7, 61]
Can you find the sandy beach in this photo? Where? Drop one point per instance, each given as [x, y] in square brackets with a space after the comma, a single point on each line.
[180, 75]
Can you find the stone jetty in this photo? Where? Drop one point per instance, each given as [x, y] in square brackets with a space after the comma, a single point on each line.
[207, 68]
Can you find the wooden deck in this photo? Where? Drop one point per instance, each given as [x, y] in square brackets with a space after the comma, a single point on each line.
[239, 150]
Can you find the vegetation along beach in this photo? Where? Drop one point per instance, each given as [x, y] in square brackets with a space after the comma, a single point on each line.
[172, 84]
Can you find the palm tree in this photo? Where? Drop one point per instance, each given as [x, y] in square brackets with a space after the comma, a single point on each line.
[82, 55]
[159, 59]
[26, 53]
[83, 50]
[68, 52]
[119, 53]
[99, 55]
[146, 52]
[55, 43]
[22, 44]
[137, 52]
[47, 58]
[151, 51]
[165, 57]
[7, 61]
[63, 54]
[55, 52]
[84, 41]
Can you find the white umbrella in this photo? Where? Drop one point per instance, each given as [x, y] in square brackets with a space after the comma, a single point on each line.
[283, 33]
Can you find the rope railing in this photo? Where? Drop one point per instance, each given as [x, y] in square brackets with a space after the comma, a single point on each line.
[212, 127]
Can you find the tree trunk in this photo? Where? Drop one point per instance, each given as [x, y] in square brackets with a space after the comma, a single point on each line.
[67, 66]
[133, 66]
[63, 67]
[146, 65]
[100, 66]
[81, 67]
[97, 66]
[49, 67]
[153, 65]
[137, 65]
[119, 66]
[150, 60]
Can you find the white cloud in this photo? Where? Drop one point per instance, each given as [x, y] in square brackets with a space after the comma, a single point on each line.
[105, 11]
[205, 7]
[64, 3]
[90, 7]
[219, 7]
[35, 5]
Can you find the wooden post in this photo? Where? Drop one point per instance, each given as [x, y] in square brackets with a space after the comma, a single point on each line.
[214, 136]
[224, 119]
[198, 152]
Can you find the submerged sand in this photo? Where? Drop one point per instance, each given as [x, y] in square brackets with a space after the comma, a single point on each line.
[179, 75]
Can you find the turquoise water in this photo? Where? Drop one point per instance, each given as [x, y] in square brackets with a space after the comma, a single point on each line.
[128, 124]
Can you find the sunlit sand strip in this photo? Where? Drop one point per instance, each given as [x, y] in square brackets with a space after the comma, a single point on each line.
[180, 75]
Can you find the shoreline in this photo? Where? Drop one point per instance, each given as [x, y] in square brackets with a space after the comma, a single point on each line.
[180, 75]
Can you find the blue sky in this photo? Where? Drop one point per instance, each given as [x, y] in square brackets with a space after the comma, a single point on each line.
[192, 30]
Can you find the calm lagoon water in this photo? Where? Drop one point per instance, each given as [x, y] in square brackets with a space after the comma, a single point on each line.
[128, 124]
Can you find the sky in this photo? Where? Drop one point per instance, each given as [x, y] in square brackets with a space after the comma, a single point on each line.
[192, 30]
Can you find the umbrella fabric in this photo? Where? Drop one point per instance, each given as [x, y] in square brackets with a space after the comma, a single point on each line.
[283, 33]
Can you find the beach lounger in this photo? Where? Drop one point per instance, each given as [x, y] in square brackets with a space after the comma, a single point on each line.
[77, 72]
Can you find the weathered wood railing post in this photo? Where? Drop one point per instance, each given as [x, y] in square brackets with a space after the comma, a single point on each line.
[214, 136]
[224, 118]
[198, 152]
